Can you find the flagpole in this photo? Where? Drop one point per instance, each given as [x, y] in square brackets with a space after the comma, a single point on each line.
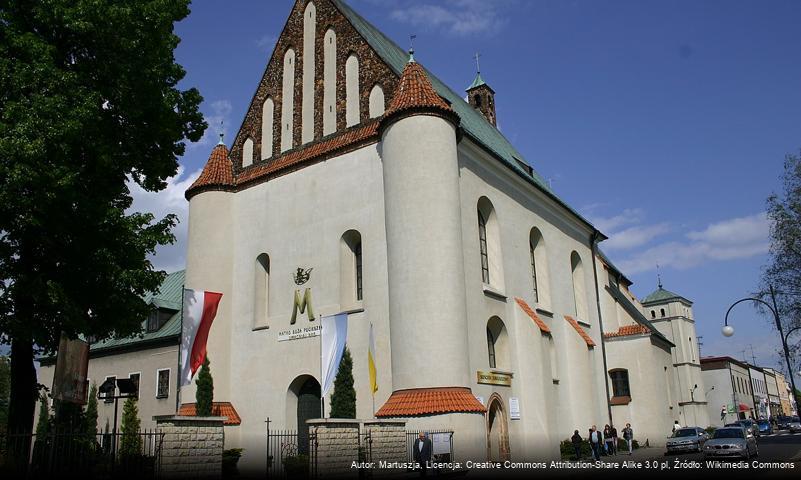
[180, 341]
[322, 397]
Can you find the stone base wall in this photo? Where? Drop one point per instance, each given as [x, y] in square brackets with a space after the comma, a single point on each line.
[192, 446]
[337, 443]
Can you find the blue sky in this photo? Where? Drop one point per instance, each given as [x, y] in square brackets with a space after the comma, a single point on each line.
[665, 123]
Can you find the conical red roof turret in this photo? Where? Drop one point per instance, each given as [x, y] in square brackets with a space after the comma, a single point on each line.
[218, 174]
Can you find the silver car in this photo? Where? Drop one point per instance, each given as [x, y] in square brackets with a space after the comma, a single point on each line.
[731, 442]
[794, 425]
[689, 439]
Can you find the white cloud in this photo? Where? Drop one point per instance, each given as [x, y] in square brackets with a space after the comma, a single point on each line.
[454, 17]
[218, 116]
[266, 43]
[170, 200]
[741, 237]
[636, 236]
[608, 225]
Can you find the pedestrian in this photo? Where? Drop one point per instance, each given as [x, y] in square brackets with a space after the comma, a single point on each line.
[577, 441]
[608, 440]
[613, 431]
[628, 436]
[422, 452]
[596, 442]
[676, 426]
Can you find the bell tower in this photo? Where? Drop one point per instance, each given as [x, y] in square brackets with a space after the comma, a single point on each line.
[481, 96]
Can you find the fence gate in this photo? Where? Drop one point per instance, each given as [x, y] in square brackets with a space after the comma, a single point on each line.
[290, 455]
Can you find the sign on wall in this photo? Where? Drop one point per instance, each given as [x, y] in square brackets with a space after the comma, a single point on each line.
[514, 408]
[494, 378]
[299, 333]
[441, 443]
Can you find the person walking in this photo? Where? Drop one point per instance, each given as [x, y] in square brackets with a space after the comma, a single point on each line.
[608, 440]
[577, 441]
[422, 452]
[676, 426]
[613, 432]
[628, 436]
[596, 442]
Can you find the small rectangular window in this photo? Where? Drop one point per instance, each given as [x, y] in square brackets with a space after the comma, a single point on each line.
[620, 383]
[163, 383]
[110, 398]
[134, 377]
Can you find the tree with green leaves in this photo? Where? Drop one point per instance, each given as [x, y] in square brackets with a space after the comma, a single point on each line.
[90, 101]
[43, 424]
[130, 441]
[90, 415]
[204, 394]
[343, 400]
[783, 271]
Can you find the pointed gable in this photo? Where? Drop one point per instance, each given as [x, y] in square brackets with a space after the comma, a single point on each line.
[329, 25]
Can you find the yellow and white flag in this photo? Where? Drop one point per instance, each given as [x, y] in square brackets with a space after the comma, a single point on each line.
[371, 362]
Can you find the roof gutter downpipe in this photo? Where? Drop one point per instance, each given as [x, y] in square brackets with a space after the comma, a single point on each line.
[594, 247]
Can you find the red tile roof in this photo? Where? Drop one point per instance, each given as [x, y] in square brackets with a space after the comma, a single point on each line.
[628, 330]
[531, 313]
[218, 174]
[218, 409]
[344, 142]
[428, 401]
[581, 331]
[415, 93]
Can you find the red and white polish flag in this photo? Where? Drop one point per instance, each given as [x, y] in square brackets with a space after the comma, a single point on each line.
[200, 308]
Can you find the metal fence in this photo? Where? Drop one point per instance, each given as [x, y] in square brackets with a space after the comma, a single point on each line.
[98, 455]
[290, 455]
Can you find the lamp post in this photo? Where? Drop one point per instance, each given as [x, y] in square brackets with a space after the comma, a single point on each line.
[728, 330]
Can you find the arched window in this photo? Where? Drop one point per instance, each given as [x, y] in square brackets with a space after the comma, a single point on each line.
[376, 102]
[620, 382]
[489, 244]
[653, 314]
[662, 311]
[477, 99]
[247, 153]
[261, 295]
[497, 344]
[288, 101]
[351, 277]
[352, 101]
[329, 82]
[482, 239]
[267, 125]
[539, 267]
[579, 289]
[309, 56]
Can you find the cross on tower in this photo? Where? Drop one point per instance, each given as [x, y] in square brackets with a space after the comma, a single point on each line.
[478, 65]
[658, 276]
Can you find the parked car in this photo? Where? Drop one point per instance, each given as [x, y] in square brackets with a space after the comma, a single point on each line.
[749, 425]
[783, 423]
[795, 425]
[688, 439]
[765, 428]
[731, 442]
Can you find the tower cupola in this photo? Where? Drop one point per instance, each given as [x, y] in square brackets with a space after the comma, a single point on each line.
[482, 97]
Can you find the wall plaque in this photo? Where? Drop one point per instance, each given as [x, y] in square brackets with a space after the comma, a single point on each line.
[494, 378]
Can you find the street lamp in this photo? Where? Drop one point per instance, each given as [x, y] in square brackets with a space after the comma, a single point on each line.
[728, 330]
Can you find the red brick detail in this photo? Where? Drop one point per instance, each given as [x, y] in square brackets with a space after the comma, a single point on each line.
[341, 143]
[415, 92]
[624, 400]
[216, 175]
[572, 321]
[628, 330]
[430, 401]
[531, 313]
[218, 409]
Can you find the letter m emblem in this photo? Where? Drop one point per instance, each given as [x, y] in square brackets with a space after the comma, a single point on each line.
[302, 304]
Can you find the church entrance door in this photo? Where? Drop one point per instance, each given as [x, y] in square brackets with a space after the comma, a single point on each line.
[497, 431]
[308, 408]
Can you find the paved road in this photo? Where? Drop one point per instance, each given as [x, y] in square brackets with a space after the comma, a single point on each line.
[778, 447]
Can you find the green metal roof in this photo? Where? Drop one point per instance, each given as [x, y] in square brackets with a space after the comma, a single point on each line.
[660, 295]
[474, 124]
[636, 314]
[477, 82]
[168, 297]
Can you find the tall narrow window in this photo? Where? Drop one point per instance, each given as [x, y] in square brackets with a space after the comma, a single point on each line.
[482, 239]
[267, 124]
[163, 383]
[261, 296]
[329, 83]
[351, 278]
[491, 347]
[134, 377]
[288, 101]
[532, 249]
[579, 288]
[358, 254]
[307, 109]
[352, 100]
[247, 153]
[376, 102]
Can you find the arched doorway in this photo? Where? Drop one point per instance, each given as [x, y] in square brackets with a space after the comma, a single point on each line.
[303, 403]
[497, 430]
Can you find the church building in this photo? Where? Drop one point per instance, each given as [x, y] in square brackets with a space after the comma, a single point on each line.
[358, 182]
